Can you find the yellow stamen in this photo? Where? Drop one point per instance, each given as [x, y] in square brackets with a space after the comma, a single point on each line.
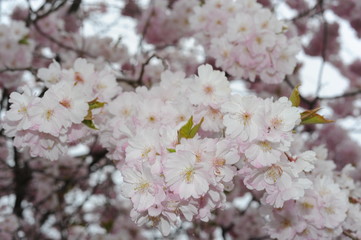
[208, 90]
[274, 173]
[266, 146]
[48, 114]
[142, 187]
[246, 117]
[146, 152]
[330, 210]
[307, 205]
[23, 109]
[188, 174]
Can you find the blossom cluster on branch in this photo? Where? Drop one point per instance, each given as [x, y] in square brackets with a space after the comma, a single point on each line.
[100, 142]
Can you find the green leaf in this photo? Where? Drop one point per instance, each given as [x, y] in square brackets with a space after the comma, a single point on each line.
[309, 113]
[95, 104]
[171, 150]
[24, 40]
[195, 129]
[295, 97]
[188, 130]
[316, 119]
[89, 117]
[90, 124]
[312, 117]
[185, 129]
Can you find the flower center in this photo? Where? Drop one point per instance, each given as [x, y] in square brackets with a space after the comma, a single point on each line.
[65, 103]
[23, 110]
[208, 90]
[188, 174]
[142, 187]
[78, 78]
[330, 210]
[276, 122]
[265, 146]
[48, 114]
[273, 174]
[246, 117]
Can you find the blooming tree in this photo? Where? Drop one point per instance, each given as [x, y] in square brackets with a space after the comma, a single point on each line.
[99, 141]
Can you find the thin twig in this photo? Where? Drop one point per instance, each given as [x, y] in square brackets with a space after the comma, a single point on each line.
[312, 11]
[349, 94]
[44, 15]
[9, 69]
[323, 52]
[59, 43]
[138, 82]
[146, 26]
[349, 234]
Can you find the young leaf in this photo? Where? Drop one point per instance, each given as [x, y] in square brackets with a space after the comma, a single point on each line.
[295, 97]
[312, 117]
[195, 129]
[90, 124]
[185, 129]
[89, 116]
[171, 150]
[24, 40]
[316, 118]
[95, 104]
[188, 130]
[309, 113]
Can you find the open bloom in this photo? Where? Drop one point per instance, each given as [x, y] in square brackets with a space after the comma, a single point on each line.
[242, 117]
[185, 176]
[141, 187]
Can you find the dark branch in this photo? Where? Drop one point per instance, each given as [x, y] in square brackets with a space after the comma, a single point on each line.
[74, 6]
[312, 11]
[347, 233]
[138, 82]
[349, 94]
[59, 43]
[9, 69]
[22, 177]
[323, 53]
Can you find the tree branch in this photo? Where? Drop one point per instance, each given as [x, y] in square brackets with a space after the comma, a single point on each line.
[348, 233]
[9, 69]
[74, 6]
[323, 52]
[60, 44]
[22, 177]
[312, 11]
[349, 94]
[138, 82]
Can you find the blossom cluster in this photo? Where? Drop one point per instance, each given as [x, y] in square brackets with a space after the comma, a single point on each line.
[179, 145]
[245, 39]
[167, 175]
[172, 169]
[263, 131]
[16, 52]
[60, 33]
[175, 144]
[48, 124]
[163, 25]
[326, 210]
[170, 177]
